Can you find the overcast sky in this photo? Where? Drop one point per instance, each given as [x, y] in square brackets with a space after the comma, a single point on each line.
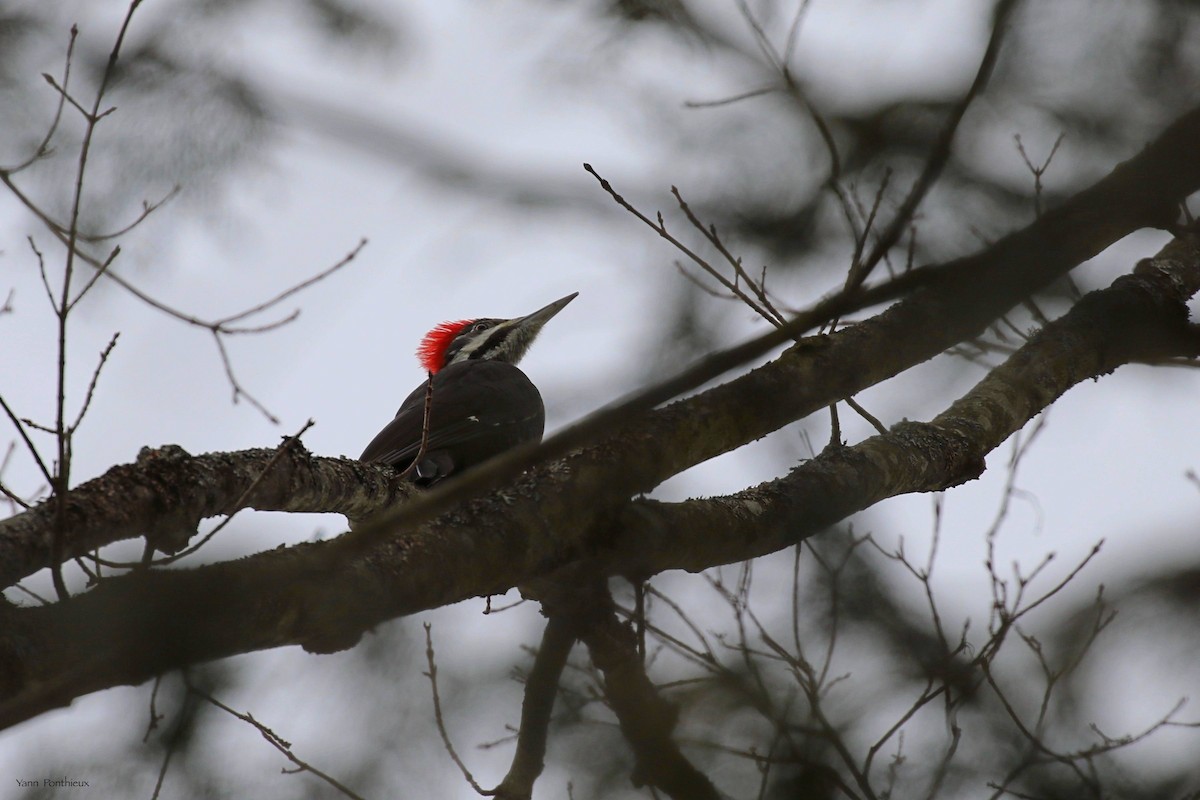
[521, 94]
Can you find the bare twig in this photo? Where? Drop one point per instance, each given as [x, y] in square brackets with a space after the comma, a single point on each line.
[287, 443]
[218, 328]
[32, 594]
[102, 269]
[13, 498]
[940, 153]
[63, 304]
[706, 656]
[760, 303]
[766, 309]
[63, 94]
[91, 390]
[148, 208]
[240, 503]
[869, 216]
[789, 47]
[425, 414]
[862, 412]
[725, 101]
[275, 740]
[33, 451]
[699, 284]
[660, 228]
[437, 713]
[238, 391]
[1037, 171]
[42, 270]
[43, 148]
[187, 706]
[155, 717]
[299, 287]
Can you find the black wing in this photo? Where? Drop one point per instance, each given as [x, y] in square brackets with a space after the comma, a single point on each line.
[479, 409]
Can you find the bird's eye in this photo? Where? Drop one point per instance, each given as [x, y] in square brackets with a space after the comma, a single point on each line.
[480, 326]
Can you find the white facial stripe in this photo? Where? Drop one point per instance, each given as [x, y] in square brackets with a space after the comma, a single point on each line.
[474, 344]
[481, 340]
[511, 341]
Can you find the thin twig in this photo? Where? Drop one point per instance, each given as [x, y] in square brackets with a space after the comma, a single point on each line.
[1038, 171]
[99, 271]
[437, 713]
[187, 708]
[13, 497]
[660, 228]
[63, 94]
[235, 507]
[940, 154]
[148, 208]
[238, 390]
[862, 412]
[425, 415]
[760, 36]
[42, 270]
[31, 593]
[64, 304]
[299, 287]
[760, 304]
[28, 442]
[731, 99]
[793, 36]
[265, 327]
[155, 717]
[91, 390]
[768, 311]
[276, 741]
[42, 150]
[218, 328]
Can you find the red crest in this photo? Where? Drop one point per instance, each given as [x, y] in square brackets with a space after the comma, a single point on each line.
[431, 352]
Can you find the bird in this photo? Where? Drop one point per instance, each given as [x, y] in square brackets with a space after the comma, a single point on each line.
[481, 403]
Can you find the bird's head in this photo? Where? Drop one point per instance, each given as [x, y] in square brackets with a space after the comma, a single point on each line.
[482, 339]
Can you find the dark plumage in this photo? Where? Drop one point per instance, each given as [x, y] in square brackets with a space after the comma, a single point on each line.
[482, 404]
[480, 408]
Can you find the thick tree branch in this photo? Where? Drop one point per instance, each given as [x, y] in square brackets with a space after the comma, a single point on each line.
[959, 300]
[541, 688]
[646, 719]
[166, 492]
[324, 595]
[964, 297]
[1142, 317]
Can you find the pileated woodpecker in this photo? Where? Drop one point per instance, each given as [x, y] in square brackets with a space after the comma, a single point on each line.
[481, 404]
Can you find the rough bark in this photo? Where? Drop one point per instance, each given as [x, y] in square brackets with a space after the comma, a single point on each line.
[581, 599]
[324, 595]
[958, 301]
[1142, 317]
[166, 492]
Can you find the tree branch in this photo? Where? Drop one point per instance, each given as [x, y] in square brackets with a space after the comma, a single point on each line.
[953, 302]
[541, 687]
[646, 719]
[1140, 315]
[166, 492]
[324, 595]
